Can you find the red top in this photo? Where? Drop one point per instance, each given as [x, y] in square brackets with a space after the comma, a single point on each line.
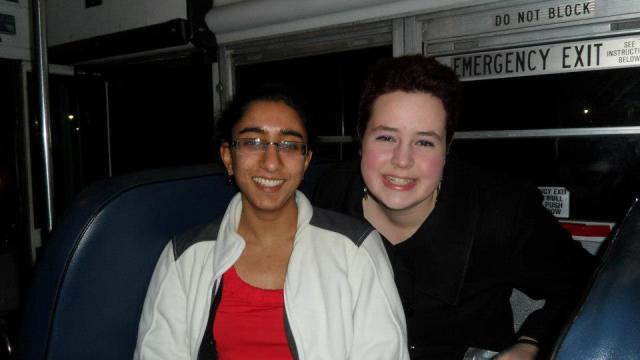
[249, 322]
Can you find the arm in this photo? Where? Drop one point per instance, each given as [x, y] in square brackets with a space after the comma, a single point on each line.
[548, 265]
[163, 330]
[378, 318]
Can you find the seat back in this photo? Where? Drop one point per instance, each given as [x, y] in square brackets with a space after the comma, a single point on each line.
[607, 324]
[91, 279]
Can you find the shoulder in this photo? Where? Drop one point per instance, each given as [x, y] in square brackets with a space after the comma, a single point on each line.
[354, 229]
[195, 235]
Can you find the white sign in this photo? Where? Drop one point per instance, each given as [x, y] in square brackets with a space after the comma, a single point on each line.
[544, 13]
[556, 200]
[547, 59]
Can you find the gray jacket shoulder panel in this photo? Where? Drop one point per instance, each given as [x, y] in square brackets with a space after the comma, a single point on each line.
[355, 229]
[204, 232]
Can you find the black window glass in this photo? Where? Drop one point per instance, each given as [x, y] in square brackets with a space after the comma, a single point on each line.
[67, 134]
[9, 180]
[601, 173]
[583, 99]
[161, 115]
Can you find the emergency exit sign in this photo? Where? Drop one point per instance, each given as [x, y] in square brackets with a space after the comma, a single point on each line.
[556, 200]
[547, 59]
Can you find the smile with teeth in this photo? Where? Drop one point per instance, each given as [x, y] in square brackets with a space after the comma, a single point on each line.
[398, 181]
[267, 182]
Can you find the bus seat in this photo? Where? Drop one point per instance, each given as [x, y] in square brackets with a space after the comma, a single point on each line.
[607, 323]
[91, 278]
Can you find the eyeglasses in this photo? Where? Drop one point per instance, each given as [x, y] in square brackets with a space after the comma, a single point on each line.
[257, 145]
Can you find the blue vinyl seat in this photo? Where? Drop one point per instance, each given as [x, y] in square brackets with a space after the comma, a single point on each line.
[91, 279]
[607, 324]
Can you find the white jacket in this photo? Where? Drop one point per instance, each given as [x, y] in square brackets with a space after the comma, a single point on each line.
[340, 297]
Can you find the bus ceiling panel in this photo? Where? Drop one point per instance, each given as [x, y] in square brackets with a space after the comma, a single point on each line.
[313, 43]
[84, 31]
[250, 20]
[70, 21]
[15, 42]
[525, 17]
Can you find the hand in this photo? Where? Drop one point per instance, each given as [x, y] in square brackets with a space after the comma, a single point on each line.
[519, 352]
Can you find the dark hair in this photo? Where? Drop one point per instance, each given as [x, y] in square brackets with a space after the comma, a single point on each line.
[412, 73]
[236, 109]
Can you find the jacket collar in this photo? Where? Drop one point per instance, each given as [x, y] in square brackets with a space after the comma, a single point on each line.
[229, 244]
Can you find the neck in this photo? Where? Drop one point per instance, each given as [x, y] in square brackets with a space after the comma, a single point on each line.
[268, 227]
[397, 225]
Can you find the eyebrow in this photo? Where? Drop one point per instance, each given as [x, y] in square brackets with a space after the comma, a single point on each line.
[252, 129]
[423, 133]
[430, 133]
[263, 131]
[292, 133]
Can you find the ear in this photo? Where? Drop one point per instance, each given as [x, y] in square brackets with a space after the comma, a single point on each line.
[307, 159]
[227, 160]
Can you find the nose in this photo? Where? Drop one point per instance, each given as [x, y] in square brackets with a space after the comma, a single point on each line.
[402, 156]
[271, 158]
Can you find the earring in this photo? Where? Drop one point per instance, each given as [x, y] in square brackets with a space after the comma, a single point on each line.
[365, 192]
[229, 179]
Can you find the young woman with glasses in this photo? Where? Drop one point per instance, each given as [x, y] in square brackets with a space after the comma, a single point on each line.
[274, 278]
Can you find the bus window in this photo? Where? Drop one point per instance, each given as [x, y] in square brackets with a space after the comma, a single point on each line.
[330, 85]
[569, 100]
[63, 105]
[113, 120]
[161, 115]
[600, 173]
[580, 144]
[553, 99]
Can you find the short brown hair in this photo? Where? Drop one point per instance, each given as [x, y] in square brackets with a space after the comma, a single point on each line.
[412, 73]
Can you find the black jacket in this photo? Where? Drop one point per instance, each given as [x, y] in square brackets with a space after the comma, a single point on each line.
[487, 235]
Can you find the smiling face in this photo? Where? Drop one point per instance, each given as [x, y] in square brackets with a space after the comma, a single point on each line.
[268, 180]
[404, 149]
